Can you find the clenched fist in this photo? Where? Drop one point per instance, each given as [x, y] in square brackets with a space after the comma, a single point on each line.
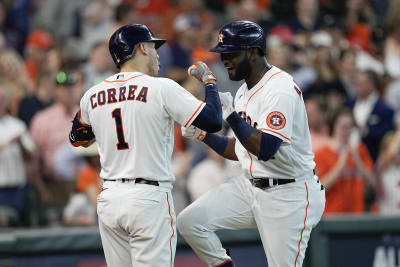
[201, 72]
[192, 132]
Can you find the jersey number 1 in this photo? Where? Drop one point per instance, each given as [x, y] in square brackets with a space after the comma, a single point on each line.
[122, 144]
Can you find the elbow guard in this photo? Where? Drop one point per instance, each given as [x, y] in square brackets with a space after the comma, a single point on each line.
[81, 134]
[269, 146]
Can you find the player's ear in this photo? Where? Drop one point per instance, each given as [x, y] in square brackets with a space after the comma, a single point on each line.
[253, 53]
[143, 48]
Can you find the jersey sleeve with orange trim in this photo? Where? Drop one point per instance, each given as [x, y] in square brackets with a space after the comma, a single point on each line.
[278, 109]
[181, 105]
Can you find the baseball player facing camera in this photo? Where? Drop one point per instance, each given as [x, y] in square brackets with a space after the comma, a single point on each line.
[278, 191]
[131, 116]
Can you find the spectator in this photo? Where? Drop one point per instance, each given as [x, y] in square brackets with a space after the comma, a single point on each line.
[50, 127]
[61, 17]
[327, 82]
[81, 207]
[343, 166]
[123, 14]
[14, 77]
[37, 46]
[316, 114]
[392, 98]
[209, 173]
[389, 175]
[372, 116]
[97, 19]
[392, 52]
[307, 17]
[39, 99]
[17, 23]
[186, 27]
[346, 67]
[279, 53]
[15, 142]
[99, 66]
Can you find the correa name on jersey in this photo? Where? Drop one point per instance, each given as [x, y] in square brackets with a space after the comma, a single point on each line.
[114, 95]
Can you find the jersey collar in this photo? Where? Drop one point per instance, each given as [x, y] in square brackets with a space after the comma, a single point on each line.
[261, 82]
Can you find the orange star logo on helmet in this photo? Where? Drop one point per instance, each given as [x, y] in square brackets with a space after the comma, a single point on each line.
[220, 38]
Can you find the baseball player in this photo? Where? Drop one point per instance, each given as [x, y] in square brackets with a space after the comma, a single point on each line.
[278, 191]
[131, 116]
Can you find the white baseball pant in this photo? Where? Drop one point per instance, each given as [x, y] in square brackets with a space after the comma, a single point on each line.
[137, 224]
[284, 215]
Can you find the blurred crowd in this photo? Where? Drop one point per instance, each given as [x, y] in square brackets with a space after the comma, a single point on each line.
[343, 54]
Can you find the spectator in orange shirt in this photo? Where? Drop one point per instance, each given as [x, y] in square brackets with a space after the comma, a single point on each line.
[343, 166]
[81, 208]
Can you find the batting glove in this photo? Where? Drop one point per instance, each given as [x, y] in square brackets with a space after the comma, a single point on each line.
[192, 132]
[227, 104]
[201, 72]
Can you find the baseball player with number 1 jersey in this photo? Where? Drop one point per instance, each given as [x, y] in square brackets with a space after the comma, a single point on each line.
[131, 116]
[278, 191]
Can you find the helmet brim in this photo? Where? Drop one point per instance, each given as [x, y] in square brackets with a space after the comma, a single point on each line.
[224, 49]
[158, 42]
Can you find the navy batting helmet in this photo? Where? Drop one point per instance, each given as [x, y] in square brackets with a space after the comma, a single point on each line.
[124, 40]
[240, 35]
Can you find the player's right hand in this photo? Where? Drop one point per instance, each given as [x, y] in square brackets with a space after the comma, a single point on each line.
[201, 72]
[227, 104]
[192, 132]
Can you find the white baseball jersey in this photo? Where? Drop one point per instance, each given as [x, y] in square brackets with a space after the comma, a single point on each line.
[275, 106]
[132, 116]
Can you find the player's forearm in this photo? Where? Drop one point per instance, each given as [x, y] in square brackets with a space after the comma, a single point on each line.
[223, 145]
[263, 145]
[210, 118]
[229, 152]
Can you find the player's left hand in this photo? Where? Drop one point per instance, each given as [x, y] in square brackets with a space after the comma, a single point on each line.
[201, 72]
[192, 132]
[227, 104]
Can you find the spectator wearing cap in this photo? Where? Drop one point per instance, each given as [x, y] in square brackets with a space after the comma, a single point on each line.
[81, 207]
[50, 126]
[36, 48]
